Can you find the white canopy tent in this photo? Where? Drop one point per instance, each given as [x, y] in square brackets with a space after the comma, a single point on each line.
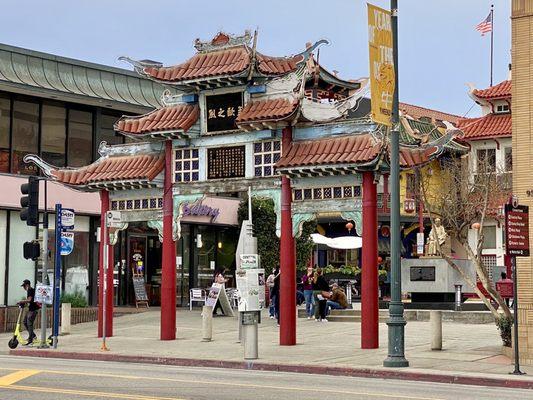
[342, 242]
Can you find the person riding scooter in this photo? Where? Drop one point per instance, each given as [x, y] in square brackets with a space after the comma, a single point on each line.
[33, 307]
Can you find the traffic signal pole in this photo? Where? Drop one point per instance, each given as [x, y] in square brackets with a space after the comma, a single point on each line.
[44, 344]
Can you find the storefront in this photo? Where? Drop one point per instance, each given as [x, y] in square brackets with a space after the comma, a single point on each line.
[208, 239]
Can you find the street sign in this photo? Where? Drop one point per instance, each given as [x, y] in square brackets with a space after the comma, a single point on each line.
[517, 230]
[67, 218]
[249, 261]
[420, 243]
[114, 219]
[67, 243]
[44, 294]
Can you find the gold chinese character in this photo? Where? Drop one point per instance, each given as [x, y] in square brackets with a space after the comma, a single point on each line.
[231, 111]
[221, 113]
[212, 114]
[239, 109]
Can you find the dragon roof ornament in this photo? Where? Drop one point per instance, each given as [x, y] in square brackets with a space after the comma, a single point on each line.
[223, 40]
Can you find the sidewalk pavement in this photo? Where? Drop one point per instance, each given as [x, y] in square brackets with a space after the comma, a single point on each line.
[471, 353]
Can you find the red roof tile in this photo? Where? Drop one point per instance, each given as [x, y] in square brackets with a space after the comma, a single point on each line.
[490, 125]
[172, 118]
[418, 112]
[262, 110]
[353, 149]
[122, 168]
[413, 157]
[229, 61]
[222, 62]
[501, 90]
[277, 65]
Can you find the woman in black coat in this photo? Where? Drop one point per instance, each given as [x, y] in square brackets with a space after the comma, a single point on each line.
[320, 284]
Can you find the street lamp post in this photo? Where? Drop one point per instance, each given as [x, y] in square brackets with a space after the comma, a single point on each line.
[396, 322]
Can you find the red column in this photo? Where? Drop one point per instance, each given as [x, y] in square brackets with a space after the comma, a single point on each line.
[168, 273]
[369, 273]
[287, 300]
[104, 208]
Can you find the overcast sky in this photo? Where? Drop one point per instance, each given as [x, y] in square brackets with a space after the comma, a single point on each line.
[440, 50]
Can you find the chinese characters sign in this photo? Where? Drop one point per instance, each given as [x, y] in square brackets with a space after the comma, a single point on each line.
[381, 64]
[222, 110]
[517, 230]
[225, 162]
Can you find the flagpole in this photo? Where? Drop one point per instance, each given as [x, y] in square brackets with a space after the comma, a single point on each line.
[491, 41]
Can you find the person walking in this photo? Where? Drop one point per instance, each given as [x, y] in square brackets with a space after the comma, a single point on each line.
[33, 307]
[307, 281]
[219, 277]
[271, 305]
[321, 290]
[275, 293]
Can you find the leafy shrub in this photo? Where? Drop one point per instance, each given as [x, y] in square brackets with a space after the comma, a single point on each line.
[77, 300]
[505, 325]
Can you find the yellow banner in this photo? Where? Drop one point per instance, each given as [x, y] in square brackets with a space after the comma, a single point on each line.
[381, 64]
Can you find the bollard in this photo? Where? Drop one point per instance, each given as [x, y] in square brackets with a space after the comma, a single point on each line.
[207, 323]
[458, 296]
[65, 318]
[435, 319]
[239, 327]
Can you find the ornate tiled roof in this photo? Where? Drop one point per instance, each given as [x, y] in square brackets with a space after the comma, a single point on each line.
[267, 110]
[347, 149]
[490, 125]
[500, 91]
[415, 157]
[127, 171]
[418, 112]
[169, 120]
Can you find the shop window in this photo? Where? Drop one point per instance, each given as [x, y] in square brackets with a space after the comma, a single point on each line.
[80, 132]
[410, 186]
[486, 160]
[266, 154]
[25, 135]
[186, 165]
[489, 233]
[5, 126]
[508, 154]
[502, 108]
[54, 133]
[106, 132]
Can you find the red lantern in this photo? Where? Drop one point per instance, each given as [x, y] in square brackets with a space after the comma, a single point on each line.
[476, 225]
[349, 226]
[380, 260]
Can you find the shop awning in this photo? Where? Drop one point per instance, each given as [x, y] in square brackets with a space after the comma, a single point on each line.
[342, 242]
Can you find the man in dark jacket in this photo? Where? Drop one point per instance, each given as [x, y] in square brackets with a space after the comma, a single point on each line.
[337, 300]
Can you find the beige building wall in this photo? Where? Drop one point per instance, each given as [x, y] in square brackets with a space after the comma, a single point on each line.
[522, 109]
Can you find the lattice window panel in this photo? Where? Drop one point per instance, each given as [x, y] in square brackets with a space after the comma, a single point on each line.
[186, 165]
[337, 192]
[490, 262]
[152, 203]
[266, 154]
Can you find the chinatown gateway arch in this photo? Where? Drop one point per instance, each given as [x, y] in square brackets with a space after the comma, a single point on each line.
[233, 119]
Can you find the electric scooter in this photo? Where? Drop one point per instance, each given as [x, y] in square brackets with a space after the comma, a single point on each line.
[17, 335]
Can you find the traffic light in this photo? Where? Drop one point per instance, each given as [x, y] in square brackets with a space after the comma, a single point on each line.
[30, 202]
[32, 250]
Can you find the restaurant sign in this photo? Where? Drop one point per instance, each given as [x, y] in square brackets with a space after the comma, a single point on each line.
[517, 230]
[198, 209]
[222, 111]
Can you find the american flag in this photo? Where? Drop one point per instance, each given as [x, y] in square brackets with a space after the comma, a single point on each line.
[485, 26]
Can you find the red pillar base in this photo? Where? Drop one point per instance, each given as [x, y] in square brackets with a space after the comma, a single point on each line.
[369, 272]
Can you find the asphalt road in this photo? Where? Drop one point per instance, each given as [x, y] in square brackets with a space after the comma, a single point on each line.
[52, 379]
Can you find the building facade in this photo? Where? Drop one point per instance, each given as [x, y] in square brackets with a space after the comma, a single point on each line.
[59, 109]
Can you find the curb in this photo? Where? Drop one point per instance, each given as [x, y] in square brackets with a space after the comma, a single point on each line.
[294, 368]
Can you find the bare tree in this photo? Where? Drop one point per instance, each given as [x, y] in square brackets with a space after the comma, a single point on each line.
[465, 200]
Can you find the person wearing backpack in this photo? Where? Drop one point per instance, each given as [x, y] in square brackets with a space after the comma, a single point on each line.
[33, 307]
